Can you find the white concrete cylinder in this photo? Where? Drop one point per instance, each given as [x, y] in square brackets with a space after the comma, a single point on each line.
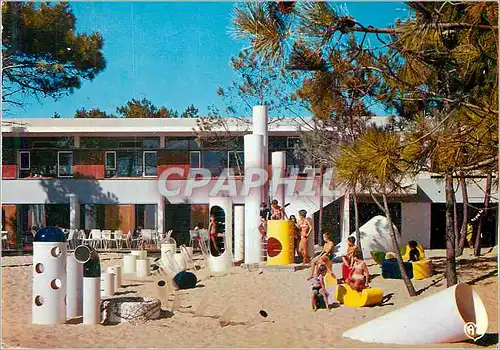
[49, 283]
[91, 300]
[107, 284]
[253, 159]
[74, 212]
[129, 264]
[117, 270]
[163, 291]
[239, 232]
[143, 268]
[223, 262]
[180, 259]
[260, 127]
[279, 168]
[172, 247]
[141, 254]
[439, 318]
[74, 293]
[161, 214]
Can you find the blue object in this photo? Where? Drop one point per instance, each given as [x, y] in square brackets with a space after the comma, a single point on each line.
[50, 234]
[185, 280]
[390, 269]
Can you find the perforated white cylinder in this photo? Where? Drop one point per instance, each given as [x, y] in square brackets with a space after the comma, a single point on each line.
[253, 160]
[107, 284]
[278, 160]
[260, 127]
[74, 294]
[167, 247]
[239, 232]
[143, 268]
[162, 290]
[49, 283]
[117, 270]
[91, 300]
[129, 264]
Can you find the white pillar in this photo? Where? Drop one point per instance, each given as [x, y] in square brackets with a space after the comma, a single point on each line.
[76, 142]
[278, 160]
[74, 295]
[74, 212]
[239, 232]
[90, 216]
[253, 160]
[345, 217]
[260, 127]
[160, 216]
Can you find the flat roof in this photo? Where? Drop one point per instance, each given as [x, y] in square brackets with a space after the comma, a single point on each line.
[148, 126]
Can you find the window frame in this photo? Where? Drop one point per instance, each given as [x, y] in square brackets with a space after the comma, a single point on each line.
[144, 163]
[199, 159]
[20, 160]
[106, 160]
[58, 164]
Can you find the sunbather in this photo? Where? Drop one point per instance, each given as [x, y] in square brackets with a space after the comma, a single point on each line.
[359, 277]
[325, 256]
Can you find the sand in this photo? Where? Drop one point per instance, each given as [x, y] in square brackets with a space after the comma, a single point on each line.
[284, 295]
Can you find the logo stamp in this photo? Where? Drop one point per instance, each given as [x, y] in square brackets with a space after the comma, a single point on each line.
[470, 330]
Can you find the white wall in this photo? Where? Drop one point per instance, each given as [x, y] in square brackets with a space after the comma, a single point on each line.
[416, 223]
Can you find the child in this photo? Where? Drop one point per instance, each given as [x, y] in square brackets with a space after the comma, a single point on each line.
[414, 253]
[318, 288]
[348, 259]
[277, 212]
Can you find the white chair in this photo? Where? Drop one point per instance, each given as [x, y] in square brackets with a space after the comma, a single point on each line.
[117, 238]
[88, 240]
[106, 238]
[138, 240]
[5, 241]
[147, 235]
[96, 238]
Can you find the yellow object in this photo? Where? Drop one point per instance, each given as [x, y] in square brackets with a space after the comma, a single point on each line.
[406, 255]
[422, 269]
[330, 282]
[279, 242]
[349, 297]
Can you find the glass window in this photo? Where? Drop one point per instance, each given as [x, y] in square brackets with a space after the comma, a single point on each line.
[181, 143]
[216, 162]
[150, 161]
[65, 164]
[43, 163]
[278, 143]
[24, 160]
[292, 141]
[195, 159]
[110, 163]
[110, 143]
[236, 162]
[129, 163]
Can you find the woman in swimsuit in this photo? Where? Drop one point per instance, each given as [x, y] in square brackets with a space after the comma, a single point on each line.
[212, 229]
[360, 276]
[296, 235]
[326, 255]
[277, 212]
[305, 229]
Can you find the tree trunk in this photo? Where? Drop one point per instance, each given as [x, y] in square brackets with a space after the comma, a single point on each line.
[321, 209]
[395, 244]
[356, 221]
[451, 269]
[455, 221]
[465, 218]
[487, 194]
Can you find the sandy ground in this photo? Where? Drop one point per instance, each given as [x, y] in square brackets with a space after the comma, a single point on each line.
[283, 295]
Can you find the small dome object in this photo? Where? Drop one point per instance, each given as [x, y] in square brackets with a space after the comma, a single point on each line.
[50, 234]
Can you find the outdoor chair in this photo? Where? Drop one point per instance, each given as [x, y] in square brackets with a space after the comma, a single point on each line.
[147, 236]
[96, 238]
[106, 239]
[5, 241]
[193, 238]
[117, 237]
[128, 240]
[138, 241]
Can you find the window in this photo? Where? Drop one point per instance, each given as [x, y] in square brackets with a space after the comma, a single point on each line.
[181, 143]
[292, 141]
[64, 164]
[215, 162]
[111, 143]
[149, 161]
[236, 162]
[110, 157]
[195, 159]
[24, 160]
[129, 163]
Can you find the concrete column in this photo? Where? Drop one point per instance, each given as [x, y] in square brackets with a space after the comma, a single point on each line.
[253, 160]
[161, 215]
[76, 142]
[278, 160]
[344, 217]
[239, 232]
[162, 142]
[260, 127]
[74, 212]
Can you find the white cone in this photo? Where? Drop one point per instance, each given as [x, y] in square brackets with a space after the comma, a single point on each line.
[439, 318]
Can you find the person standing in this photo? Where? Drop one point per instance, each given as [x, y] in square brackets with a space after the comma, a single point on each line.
[296, 235]
[305, 228]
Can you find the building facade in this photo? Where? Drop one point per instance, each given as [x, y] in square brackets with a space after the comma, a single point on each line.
[106, 174]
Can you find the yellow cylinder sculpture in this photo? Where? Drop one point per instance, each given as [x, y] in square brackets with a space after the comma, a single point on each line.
[279, 242]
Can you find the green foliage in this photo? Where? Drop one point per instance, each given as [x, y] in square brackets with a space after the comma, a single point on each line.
[145, 109]
[92, 113]
[41, 53]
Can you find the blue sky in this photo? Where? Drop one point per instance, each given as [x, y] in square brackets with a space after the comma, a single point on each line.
[172, 53]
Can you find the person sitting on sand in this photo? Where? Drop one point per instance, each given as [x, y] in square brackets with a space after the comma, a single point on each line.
[351, 249]
[414, 253]
[325, 256]
[277, 212]
[318, 288]
[359, 277]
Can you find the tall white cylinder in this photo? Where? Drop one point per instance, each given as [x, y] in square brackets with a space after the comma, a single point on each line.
[129, 264]
[172, 247]
[160, 215]
[74, 212]
[260, 127]
[117, 270]
[141, 254]
[143, 268]
[107, 284]
[163, 291]
[253, 160]
[180, 259]
[91, 300]
[74, 294]
[239, 232]
[279, 167]
[49, 283]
